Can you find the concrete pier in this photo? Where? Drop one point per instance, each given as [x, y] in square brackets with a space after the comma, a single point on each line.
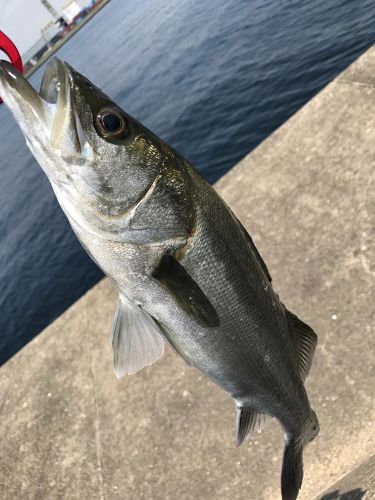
[71, 430]
[359, 484]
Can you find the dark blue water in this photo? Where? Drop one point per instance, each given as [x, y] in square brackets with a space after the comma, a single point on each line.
[212, 78]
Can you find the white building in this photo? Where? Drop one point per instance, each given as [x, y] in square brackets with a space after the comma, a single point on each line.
[70, 9]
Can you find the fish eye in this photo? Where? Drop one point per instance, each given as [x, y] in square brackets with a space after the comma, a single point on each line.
[111, 124]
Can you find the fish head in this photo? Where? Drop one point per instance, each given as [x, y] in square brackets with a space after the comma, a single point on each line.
[99, 160]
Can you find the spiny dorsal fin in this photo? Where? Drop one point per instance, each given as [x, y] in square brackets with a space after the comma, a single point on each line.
[136, 339]
[248, 420]
[305, 340]
[253, 248]
[185, 291]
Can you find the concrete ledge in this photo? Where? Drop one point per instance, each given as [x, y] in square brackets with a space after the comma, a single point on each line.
[357, 485]
[70, 430]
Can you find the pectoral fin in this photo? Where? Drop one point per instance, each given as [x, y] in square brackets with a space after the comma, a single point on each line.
[173, 276]
[136, 339]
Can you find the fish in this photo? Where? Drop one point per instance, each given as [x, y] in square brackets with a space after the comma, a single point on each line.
[186, 270]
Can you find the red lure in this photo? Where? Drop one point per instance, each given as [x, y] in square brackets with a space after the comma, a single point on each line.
[7, 46]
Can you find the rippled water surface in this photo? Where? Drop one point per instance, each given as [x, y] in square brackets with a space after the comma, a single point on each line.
[212, 78]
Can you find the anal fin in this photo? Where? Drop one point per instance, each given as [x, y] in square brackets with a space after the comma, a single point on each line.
[136, 339]
[248, 420]
[305, 340]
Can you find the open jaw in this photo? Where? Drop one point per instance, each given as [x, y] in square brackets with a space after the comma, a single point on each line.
[55, 80]
[49, 116]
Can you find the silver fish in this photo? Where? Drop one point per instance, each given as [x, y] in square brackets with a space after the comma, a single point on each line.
[186, 270]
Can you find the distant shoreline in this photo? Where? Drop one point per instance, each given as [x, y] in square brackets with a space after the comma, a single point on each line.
[61, 42]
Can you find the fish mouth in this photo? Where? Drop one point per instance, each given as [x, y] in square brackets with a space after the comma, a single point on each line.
[17, 93]
[54, 82]
[48, 117]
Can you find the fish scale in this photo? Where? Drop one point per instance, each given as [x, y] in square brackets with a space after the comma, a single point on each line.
[239, 302]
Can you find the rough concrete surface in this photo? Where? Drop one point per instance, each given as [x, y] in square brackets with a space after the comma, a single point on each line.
[70, 429]
[359, 484]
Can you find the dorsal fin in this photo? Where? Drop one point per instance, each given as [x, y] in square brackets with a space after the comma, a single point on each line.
[253, 248]
[248, 420]
[305, 340]
[136, 339]
[185, 291]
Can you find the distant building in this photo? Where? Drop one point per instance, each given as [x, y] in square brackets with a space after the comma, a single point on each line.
[50, 30]
[70, 10]
[60, 26]
[85, 3]
[58, 20]
[50, 9]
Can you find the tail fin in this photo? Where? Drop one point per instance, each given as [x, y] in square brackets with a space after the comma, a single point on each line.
[292, 470]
